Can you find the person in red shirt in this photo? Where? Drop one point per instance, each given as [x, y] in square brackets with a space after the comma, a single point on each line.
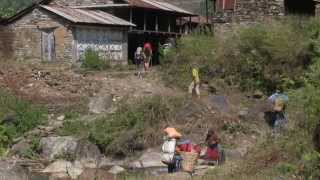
[147, 50]
[214, 154]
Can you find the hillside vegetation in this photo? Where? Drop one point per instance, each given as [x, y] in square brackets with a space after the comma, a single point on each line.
[10, 7]
[280, 54]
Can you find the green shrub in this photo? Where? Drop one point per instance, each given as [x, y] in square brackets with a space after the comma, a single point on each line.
[33, 150]
[23, 117]
[198, 49]
[131, 128]
[265, 56]
[92, 61]
[311, 165]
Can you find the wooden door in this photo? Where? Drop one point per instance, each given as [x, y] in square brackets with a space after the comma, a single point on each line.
[48, 45]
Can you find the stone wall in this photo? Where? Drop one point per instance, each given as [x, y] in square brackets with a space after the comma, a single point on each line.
[247, 11]
[252, 10]
[24, 37]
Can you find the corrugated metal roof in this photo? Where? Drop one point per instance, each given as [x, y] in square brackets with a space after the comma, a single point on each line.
[101, 6]
[86, 16]
[160, 5]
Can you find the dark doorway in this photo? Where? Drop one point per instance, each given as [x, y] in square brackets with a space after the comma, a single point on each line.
[138, 39]
[300, 7]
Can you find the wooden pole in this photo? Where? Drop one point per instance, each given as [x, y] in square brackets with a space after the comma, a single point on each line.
[169, 25]
[157, 23]
[144, 21]
[190, 24]
[130, 17]
[180, 25]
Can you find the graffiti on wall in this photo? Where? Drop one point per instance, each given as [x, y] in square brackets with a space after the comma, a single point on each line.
[108, 43]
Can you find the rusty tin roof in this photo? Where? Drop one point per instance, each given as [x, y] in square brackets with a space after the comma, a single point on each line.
[159, 5]
[86, 16]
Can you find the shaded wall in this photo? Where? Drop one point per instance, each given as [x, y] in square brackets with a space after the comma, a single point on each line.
[252, 10]
[246, 11]
[25, 37]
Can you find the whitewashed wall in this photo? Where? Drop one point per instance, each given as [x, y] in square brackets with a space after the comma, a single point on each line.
[111, 43]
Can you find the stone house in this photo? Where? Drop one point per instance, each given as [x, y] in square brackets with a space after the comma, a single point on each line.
[244, 11]
[61, 30]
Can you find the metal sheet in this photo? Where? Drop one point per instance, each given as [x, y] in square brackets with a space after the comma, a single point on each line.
[87, 16]
[160, 5]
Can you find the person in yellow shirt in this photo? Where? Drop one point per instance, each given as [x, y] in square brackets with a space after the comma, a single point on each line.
[195, 84]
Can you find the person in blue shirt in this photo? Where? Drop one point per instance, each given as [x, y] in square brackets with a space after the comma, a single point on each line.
[277, 115]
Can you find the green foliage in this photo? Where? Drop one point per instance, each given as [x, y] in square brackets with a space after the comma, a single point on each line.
[265, 56]
[286, 168]
[92, 61]
[33, 150]
[132, 127]
[10, 7]
[311, 165]
[198, 49]
[75, 127]
[23, 117]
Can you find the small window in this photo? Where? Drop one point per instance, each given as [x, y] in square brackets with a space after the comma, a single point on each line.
[225, 5]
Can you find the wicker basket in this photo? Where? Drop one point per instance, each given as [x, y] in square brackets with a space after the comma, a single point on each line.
[189, 159]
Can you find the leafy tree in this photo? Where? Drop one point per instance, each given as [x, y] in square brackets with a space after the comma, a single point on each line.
[10, 7]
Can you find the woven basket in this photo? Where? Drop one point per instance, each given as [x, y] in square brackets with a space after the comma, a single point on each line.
[189, 159]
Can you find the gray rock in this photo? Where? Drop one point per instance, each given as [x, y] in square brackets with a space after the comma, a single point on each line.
[220, 103]
[11, 171]
[53, 147]
[99, 105]
[88, 154]
[59, 166]
[116, 170]
[243, 114]
[72, 149]
[107, 162]
[98, 174]
[151, 159]
[75, 170]
[61, 118]
[64, 169]
[21, 147]
[135, 165]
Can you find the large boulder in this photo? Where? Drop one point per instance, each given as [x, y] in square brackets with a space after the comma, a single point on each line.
[21, 147]
[88, 154]
[99, 104]
[12, 171]
[116, 170]
[151, 159]
[64, 169]
[97, 174]
[78, 150]
[54, 147]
